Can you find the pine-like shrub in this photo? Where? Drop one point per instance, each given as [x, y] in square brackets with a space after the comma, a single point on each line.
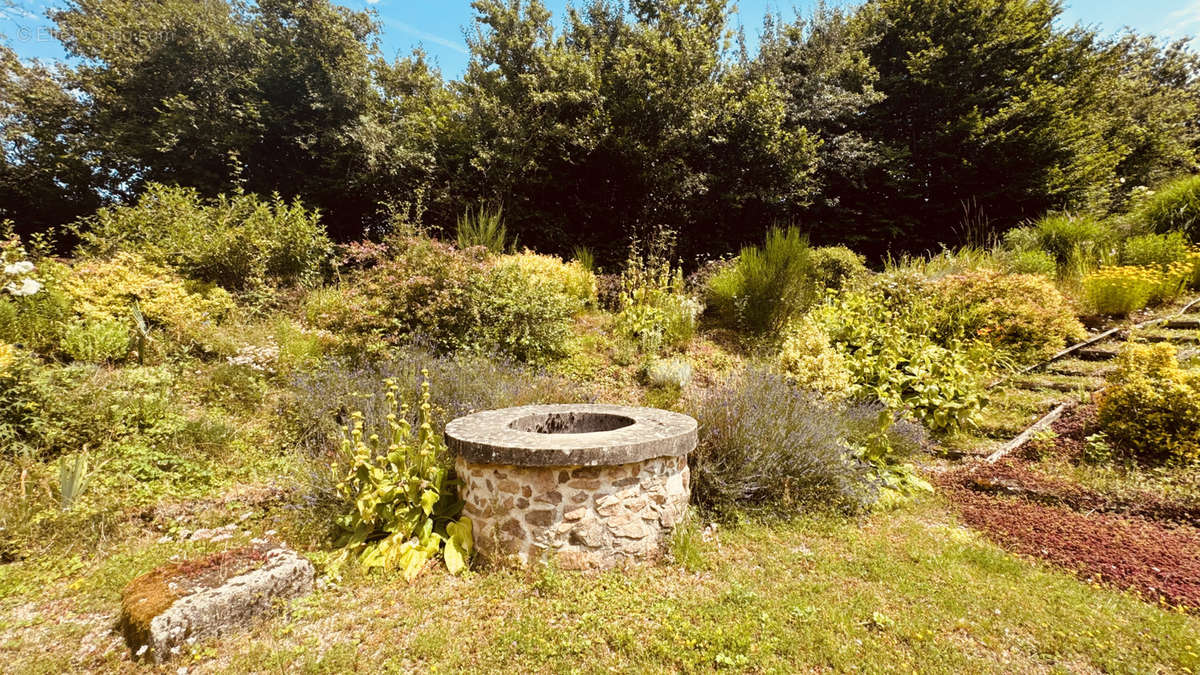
[767, 286]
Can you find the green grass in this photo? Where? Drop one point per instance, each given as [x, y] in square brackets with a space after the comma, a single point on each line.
[903, 591]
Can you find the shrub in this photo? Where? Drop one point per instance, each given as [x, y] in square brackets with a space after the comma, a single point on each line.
[1151, 406]
[238, 241]
[669, 373]
[484, 227]
[1035, 261]
[1154, 249]
[517, 317]
[1077, 242]
[811, 363]
[836, 267]
[20, 399]
[655, 310]
[573, 280]
[1022, 314]
[766, 445]
[106, 289]
[892, 359]
[766, 287]
[33, 308]
[96, 341]
[398, 486]
[1173, 207]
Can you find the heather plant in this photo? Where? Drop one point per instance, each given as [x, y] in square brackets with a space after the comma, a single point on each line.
[837, 267]
[1173, 207]
[1151, 406]
[238, 241]
[403, 506]
[767, 286]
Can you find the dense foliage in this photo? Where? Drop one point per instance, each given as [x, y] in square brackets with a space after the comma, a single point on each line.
[886, 125]
[1151, 407]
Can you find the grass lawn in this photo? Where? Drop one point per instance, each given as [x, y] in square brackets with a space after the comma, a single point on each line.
[905, 591]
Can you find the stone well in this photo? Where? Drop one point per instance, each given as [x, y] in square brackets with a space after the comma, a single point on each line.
[594, 485]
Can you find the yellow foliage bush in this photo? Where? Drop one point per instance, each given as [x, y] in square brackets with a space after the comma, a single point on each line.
[1122, 289]
[566, 278]
[104, 289]
[1151, 406]
[8, 356]
[810, 361]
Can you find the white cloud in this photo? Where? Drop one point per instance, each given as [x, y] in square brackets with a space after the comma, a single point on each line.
[1184, 21]
[428, 37]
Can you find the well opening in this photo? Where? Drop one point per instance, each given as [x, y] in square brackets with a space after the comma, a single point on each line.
[571, 423]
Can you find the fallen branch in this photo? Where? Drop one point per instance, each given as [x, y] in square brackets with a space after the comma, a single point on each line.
[1029, 433]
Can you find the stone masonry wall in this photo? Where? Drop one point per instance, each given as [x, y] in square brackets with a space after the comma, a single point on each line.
[588, 517]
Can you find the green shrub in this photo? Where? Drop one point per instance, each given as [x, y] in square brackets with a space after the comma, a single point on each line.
[21, 400]
[893, 359]
[1173, 207]
[811, 363]
[1025, 315]
[33, 308]
[398, 487]
[1151, 406]
[518, 317]
[96, 341]
[483, 227]
[573, 280]
[836, 267]
[655, 310]
[1077, 242]
[1035, 261]
[238, 241]
[106, 289]
[766, 287]
[1154, 249]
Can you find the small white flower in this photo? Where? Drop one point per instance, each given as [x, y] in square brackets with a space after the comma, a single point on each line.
[23, 267]
[142, 650]
[27, 287]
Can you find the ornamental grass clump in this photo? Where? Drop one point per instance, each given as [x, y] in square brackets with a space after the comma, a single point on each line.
[403, 503]
[1173, 207]
[1151, 406]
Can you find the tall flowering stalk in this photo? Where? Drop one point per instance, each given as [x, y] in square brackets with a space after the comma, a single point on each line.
[404, 503]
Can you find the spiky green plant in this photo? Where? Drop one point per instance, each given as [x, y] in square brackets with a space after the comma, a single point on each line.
[483, 227]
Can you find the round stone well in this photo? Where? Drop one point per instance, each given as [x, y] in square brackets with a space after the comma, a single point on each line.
[593, 485]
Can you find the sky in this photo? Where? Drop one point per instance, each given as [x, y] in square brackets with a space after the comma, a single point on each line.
[438, 26]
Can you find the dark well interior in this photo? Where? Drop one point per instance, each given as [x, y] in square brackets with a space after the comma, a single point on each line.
[570, 423]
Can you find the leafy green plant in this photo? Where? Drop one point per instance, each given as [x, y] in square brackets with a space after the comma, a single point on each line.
[1173, 207]
[836, 267]
[96, 341]
[810, 361]
[482, 227]
[1154, 249]
[656, 312]
[518, 317]
[404, 508]
[73, 479]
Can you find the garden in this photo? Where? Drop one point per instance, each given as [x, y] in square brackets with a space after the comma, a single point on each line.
[979, 452]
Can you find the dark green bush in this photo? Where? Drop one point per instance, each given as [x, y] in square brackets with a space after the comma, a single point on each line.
[238, 241]
[1174, 207]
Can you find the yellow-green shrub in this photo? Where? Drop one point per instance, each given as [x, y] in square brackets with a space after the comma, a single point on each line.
[1122, 289]
[96, 341]
[1151, 406]
[570, 279]
[810, 361]
[104, 289]
[1022, 314]
[8, 356]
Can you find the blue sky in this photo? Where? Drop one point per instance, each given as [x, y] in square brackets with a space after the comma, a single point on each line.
[438, 25]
